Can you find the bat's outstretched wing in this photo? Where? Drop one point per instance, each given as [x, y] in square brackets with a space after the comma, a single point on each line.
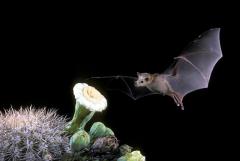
[124, 84]
[193, 68]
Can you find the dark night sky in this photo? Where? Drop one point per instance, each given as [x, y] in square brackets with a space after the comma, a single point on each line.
[44, 54]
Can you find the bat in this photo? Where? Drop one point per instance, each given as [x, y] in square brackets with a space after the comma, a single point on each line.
[190, 71]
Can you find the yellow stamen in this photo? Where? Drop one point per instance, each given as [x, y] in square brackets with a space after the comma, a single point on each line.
[92, 94]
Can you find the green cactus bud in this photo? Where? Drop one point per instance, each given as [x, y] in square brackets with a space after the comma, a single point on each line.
[109, 132]
[97, 130]
[79, 141]
[133, 156]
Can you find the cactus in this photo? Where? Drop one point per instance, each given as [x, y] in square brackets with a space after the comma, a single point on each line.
[32, 134]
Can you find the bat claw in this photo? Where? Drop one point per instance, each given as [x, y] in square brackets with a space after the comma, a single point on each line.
[182, 107]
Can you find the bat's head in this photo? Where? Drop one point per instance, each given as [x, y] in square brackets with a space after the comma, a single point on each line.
[143, 80]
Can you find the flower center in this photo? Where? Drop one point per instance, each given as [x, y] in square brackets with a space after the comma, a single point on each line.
[92, 94]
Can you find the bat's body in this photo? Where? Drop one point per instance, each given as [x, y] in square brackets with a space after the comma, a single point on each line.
[154, 82]
[159, 83]
[191, 71]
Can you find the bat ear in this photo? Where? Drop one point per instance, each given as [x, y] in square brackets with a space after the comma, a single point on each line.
[138, 74]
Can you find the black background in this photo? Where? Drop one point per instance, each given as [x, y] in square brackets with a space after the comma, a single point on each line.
[46, 51]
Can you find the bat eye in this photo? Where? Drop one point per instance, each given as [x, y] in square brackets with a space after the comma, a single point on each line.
[141, 82]
[146, 79]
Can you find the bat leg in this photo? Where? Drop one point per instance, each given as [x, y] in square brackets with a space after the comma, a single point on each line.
[177, 99]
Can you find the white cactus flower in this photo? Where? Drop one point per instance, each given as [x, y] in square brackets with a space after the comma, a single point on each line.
[89, 97]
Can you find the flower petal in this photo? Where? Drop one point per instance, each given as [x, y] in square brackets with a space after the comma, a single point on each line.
[92, 99]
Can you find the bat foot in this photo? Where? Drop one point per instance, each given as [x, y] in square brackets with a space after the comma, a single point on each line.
[181, 106]
[177, 99]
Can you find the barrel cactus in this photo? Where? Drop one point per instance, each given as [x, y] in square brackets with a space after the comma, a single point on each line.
[32, 135]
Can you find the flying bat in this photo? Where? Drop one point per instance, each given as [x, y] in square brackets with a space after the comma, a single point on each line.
[190, 71]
